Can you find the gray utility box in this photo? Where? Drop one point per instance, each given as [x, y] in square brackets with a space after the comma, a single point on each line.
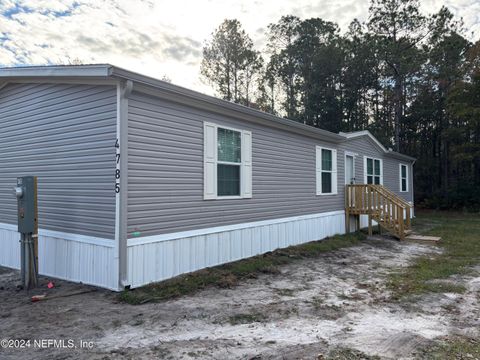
[25, 192]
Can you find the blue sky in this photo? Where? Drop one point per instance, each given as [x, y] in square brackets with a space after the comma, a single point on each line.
[160, 38]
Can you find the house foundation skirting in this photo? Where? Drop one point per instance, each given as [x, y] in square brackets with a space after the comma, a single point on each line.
[72, 257]
[156, 258]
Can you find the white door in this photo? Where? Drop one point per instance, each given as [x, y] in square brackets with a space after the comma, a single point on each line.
[349, 169]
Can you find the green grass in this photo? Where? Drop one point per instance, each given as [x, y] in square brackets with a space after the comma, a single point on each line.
[460, 235]
[453, 348]
[229, 275]
[246, 318]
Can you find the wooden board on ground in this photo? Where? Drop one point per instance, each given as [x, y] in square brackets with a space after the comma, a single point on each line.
[423, 238]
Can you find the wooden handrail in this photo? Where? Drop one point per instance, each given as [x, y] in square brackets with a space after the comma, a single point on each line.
[382, 188]
[380, 204]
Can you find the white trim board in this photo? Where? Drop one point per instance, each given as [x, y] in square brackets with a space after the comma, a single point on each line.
[219, 229]
[66, 236]
[124, 90]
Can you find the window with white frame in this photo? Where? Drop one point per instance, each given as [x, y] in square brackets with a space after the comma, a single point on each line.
[326, 169]
[373, 171]
[403, 178]
[227, 162]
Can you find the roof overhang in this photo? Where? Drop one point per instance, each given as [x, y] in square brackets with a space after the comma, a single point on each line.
[400, 156]
[387, 152]
[57, 71]
[162, 89]
[356, 134]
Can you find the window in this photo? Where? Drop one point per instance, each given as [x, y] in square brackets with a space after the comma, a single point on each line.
[373, 171]
[326, 168]
[403, 178]
[229, 155]
[227, 162]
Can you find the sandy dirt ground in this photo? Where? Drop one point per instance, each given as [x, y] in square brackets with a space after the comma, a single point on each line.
[334, 306]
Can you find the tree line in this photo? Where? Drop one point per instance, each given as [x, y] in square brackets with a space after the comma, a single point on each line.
[411, 79]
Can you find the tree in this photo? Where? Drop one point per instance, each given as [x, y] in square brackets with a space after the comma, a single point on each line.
[400, 27]
[319, 60]
[305, 63]
[166, 78]
[269, 88]
[282, 66]
[230, 63]
[433, 131]
[413, 80]
[252, 68]
[361, 82]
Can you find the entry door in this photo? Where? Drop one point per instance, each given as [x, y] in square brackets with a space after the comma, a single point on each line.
[349, 170]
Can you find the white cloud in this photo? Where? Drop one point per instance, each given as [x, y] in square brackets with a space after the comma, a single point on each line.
[160, 37]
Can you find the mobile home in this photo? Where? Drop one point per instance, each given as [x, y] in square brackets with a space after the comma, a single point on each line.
[140, 180]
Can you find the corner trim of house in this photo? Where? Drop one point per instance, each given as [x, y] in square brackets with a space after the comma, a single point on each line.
[218, 229]
[124, 89]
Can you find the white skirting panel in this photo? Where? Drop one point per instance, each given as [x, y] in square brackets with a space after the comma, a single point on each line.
[9, 248]
[65, 256]
[364, 219]
[157, 258]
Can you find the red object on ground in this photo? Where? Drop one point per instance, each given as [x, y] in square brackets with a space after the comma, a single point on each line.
[51, 285]
[36, 298]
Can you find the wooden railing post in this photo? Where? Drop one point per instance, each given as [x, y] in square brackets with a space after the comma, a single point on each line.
[409, 225]
[401, 232]
[393, 219]
[389, 218]
[347, 208]
[369, 205]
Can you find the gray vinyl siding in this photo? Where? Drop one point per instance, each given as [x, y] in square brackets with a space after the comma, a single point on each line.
[392, 177]
[364, 146]
[65, 135]
[165, 171]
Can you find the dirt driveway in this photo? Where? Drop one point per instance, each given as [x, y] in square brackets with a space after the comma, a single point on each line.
[334, 306]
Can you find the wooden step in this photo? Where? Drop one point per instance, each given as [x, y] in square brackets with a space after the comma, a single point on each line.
[423, 238]
[393, 228]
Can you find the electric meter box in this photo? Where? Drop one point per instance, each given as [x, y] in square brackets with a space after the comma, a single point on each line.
[25, 192]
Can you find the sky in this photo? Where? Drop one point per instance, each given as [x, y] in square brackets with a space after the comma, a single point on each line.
[162, 38]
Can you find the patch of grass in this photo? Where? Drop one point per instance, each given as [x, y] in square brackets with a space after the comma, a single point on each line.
[453, 348]
[246, 318]
[285, 292]
[228, 275]
[317, 302]
[349, 354]
[460, 235]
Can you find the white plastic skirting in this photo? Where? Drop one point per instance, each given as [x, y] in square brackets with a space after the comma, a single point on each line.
[157, 258]
[66, 256]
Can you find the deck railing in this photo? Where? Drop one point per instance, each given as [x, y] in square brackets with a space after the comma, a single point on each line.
[381, 205]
